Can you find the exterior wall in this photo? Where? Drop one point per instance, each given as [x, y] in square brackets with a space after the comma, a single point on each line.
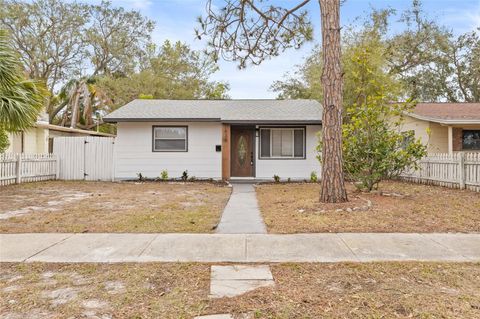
[133, 151]
[436, 141]
[457, 139]
[291, 168]
[133, 154]
[33, 141]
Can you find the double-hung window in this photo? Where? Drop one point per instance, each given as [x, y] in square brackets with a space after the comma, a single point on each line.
[282, 143]
[170, 139]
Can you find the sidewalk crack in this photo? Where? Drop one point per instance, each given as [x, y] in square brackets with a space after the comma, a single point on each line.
[148, 245]
[54, 244]
[348, 247]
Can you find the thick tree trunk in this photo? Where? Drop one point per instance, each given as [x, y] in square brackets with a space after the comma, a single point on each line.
[333, 185]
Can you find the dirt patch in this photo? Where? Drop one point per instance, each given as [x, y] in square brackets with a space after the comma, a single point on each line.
[60, 296]
[59, 206]
[114, 287]
[396, 207]
[326, 290]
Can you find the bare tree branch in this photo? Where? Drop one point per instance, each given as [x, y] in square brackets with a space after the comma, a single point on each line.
[250, 31]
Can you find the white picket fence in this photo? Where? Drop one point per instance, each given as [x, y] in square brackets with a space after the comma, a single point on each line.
[85, 157]
[458, 170]
[20, 168]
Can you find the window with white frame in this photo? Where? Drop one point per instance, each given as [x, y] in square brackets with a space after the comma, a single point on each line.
[282, 142]
[170, 139]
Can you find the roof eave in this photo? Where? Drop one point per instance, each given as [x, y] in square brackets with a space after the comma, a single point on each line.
[152, 119]
[260, 122]
[442, 121]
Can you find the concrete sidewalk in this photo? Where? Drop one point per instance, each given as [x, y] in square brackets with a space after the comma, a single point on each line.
[241, 215]
[239, 248]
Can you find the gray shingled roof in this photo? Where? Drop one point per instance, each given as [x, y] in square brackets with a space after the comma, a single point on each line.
[229, 111]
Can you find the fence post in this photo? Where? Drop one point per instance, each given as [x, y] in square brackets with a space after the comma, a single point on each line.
[18, 169]
[57, 166]
[461, 167]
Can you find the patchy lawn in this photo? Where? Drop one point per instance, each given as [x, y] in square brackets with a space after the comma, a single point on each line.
[341, 290]
[58, 206]
[295, 208]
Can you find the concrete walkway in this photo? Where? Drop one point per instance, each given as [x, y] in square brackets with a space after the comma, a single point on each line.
[241, 215]
[238, 248]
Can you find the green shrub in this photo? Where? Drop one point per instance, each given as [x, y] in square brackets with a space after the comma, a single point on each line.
[313, 177]
[164, 175]
[4, 143]
[276, 178]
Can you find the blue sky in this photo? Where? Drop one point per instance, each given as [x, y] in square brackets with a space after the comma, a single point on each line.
[176, 20]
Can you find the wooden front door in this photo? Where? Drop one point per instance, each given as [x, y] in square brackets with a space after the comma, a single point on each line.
[242, 156]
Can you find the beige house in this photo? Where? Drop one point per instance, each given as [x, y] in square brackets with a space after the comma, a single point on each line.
[39, 138]
[445, 127]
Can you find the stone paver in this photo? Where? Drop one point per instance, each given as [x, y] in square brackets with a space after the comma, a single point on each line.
[235, 280]
[241, 214]
[239, 248]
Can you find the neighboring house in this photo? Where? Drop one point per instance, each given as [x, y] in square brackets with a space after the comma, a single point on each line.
[39, 138]
[445, 127]
[217, 138]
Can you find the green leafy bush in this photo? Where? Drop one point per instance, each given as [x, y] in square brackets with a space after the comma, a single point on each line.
[313, 177]
[4, 143]
[276, 178]
[374, 146]
[164, 175]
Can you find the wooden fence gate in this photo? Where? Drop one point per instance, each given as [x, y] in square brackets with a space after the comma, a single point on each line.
[85, 158]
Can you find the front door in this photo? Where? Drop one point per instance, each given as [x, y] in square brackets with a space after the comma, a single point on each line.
[242, 156]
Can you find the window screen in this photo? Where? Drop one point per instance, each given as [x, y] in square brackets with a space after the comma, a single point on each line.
[282, 143]
[471, 140]
[170, 139]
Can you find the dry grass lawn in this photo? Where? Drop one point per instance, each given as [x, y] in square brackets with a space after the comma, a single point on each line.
[294, 208]
[342, 290]
[57, 206]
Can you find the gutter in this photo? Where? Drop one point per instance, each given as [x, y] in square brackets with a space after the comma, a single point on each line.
[217, 120]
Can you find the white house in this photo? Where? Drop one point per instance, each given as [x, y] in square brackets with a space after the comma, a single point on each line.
[219, 139]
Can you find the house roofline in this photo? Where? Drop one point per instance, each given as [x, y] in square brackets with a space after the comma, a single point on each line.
[441, 121]
[218, 120]
[162, 119]
[71, 130]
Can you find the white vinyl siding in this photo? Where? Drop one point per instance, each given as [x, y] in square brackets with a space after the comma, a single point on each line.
[133, 151]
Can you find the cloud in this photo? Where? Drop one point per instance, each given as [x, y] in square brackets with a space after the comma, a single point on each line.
[462, 19]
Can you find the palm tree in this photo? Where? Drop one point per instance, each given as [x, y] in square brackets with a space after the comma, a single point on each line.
[20, 99]
[83, 101]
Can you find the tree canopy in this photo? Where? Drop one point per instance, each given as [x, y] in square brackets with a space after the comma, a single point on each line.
[431, 62]
[95, 57]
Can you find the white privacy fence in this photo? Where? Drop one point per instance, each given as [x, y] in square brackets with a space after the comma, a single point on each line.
[74, 158]
[458, 170]
[19, 168]
[85, 157]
